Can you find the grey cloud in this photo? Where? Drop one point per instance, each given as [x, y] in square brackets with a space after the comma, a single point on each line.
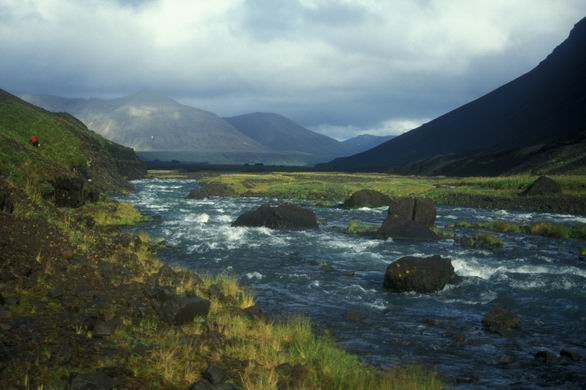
[340, 66]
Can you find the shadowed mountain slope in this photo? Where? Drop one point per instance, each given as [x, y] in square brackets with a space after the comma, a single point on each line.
[543, 105]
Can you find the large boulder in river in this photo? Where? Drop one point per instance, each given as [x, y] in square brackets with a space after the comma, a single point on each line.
[419, 274]
[410, 219]
[542, 186]
[208, 190]
[366, 198]
[420, 210]
[284, 216]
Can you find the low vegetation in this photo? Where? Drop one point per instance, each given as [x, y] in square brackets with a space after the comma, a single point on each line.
[544, 229]
[331, 188]
[482, 240]
[359, 228]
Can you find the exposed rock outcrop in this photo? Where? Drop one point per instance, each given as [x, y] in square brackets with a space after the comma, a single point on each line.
[542, 186]
[419, 274]
[366, 198]
[410, 219]
[68, 192]
[284, 216]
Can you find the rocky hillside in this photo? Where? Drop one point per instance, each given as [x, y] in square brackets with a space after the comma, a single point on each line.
[69, 154]
[542, 106]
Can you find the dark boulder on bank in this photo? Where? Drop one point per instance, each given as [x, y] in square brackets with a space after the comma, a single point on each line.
[366, 198]
[178, 309]
[419, 274]
[209, 190]
[501, 321]
[410, 219]
[284, 216]
[68, 192]
[542, 186]
[6, 204]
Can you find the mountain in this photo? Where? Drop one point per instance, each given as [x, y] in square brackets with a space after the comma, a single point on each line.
[67, 149]
[544, 106]
[364, 142]
[149, 122]
[281, 134]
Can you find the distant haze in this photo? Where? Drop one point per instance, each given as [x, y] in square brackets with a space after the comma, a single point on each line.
[339, 67]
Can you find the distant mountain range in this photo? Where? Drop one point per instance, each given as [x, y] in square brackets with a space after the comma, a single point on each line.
[158, 127]
[517, 127]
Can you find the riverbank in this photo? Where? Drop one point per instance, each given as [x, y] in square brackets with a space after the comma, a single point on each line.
[332, 188]
[79, 306]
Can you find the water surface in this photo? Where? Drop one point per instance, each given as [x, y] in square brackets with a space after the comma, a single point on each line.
[541, 279]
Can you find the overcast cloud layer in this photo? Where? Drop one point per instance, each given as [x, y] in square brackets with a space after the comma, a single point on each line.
[342, 67]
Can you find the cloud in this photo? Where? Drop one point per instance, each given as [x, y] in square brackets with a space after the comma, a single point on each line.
[350, 64]
[389, 127]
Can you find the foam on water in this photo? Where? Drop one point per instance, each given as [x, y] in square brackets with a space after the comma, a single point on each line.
[541, 277]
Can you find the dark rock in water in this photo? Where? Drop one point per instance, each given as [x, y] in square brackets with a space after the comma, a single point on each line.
[69, 192]
[6, 204]
[546, 357]
[214, 374]
[284, 216]
[542, 186]
[420, 210]
[569, 354]
[366, 198]
[501, 321]
[419, 274]
[208, 190]
[406, 230]
[180, 310]
[410, 219]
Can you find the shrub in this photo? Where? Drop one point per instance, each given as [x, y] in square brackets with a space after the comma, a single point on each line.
[551, 230]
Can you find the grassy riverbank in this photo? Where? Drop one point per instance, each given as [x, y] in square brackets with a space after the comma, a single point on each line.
[105, 277]
[331, 188]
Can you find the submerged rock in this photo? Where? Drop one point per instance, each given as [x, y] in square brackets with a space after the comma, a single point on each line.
[501, 321]
[571, 355]
[546, 357]
[542, 186]
[208, 190]
[410, 219]
[419, 274]
[366, 198]
[284, 216]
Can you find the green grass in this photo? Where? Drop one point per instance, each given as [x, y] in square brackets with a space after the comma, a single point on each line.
[482, 240]
[544, 229]
[335, 187]
[359, 228]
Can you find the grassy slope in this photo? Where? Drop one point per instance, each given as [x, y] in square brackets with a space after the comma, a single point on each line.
[103, 274]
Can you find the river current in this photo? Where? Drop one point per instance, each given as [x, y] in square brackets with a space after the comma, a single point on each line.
[336, 280]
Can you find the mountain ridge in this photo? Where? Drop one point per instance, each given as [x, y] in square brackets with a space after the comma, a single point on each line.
[544, 104]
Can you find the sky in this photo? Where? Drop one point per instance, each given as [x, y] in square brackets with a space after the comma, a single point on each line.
[340, 67]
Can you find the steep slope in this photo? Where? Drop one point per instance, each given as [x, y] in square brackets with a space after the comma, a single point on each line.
[364, 142]
[279, 133]
[67, 149]
[545, 104]
[148, 122]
